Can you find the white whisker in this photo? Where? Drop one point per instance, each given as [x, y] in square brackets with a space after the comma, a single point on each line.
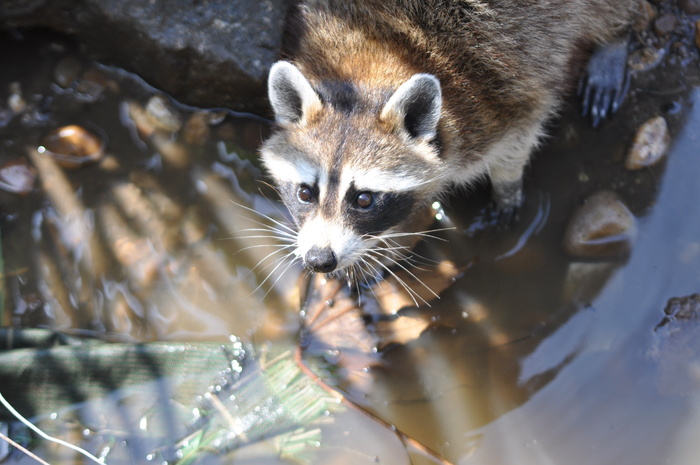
[267, 217]
[267, 228]
[404, 253]
[378, 252]
[428, 234]
[364, 275]
[279, 262]
[412, 294]
[291, 263]
[279, 248]
[268, 236]
[278, 232]
[271, 264]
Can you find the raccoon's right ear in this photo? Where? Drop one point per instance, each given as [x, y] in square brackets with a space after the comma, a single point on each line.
[415, 106]
[291, 95]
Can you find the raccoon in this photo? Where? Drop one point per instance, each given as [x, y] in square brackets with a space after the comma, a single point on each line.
[383, 106]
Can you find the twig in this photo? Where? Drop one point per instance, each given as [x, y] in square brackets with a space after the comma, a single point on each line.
[23, 449]
[403, 437]
[32, 427]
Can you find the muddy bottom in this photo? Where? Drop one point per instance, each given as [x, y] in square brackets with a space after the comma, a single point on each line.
[159, 228]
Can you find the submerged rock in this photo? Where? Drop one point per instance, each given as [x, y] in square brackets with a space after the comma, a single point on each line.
[163, 114]
[650, 144]
[665, 24]
[17, 177]
[647, 14]
[601, 227]
[196, 130]
[690, 6]
[15, 101]
[209, 53]
[67, 71]
[645, 59]
[72, 146]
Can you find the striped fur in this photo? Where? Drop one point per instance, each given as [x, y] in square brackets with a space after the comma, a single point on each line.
[403, 99]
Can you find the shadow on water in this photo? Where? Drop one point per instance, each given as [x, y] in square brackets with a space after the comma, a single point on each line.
[531, 355]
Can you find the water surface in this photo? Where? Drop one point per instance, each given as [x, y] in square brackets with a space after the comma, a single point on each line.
[533, 356]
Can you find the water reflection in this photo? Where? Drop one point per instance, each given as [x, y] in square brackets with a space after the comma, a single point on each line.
[531, 355]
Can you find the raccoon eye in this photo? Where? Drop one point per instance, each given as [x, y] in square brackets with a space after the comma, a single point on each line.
[305, 194]
[364, 199]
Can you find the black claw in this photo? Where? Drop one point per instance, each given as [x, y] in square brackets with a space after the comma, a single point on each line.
[597, 108]
[605, 103]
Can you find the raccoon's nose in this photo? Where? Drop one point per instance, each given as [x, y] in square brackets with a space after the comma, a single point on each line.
[321, 260]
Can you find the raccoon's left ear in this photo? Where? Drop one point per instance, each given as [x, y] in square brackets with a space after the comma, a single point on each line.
[416, 106]
[291, 95]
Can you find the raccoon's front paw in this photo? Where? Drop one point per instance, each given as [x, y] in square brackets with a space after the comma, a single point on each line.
[504, 217]
[506, 201]
[604, 85]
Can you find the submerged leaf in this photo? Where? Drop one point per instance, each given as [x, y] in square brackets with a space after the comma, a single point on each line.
[336, 318]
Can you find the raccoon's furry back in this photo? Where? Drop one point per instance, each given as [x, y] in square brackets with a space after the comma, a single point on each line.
[501, 63]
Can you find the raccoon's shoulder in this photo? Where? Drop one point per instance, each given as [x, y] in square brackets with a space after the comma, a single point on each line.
[499, 62]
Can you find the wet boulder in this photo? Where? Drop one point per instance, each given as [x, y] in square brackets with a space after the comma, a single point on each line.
[602, 227]
[17, 177]
[690, 6]
[665, 24]
[211, 53]
[72, 146]
[650, 144]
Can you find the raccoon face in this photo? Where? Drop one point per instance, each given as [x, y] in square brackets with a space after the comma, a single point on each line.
[352, 168]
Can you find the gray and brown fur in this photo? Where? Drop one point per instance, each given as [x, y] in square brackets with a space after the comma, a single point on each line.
[502, 68]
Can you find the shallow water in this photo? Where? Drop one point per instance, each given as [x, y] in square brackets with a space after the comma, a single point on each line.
[533, 356]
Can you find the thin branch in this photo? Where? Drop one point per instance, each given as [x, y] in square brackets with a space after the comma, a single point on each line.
[403, 437]
[24, 450]
[34, 428]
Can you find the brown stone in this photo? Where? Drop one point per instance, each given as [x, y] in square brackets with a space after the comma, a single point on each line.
[601, 227]
[650, 144]
[17, 177]
[645, 59]
[691, 7]
[72, 146]
[665, 24]
[647, 14]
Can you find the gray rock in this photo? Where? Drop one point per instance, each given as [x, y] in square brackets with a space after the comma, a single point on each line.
[681, 308]
[675, 346]
[206, 53]
[690, 6]
[665, 24]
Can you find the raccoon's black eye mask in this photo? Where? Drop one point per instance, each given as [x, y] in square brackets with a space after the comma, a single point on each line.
[364, 211]
[374, 212]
